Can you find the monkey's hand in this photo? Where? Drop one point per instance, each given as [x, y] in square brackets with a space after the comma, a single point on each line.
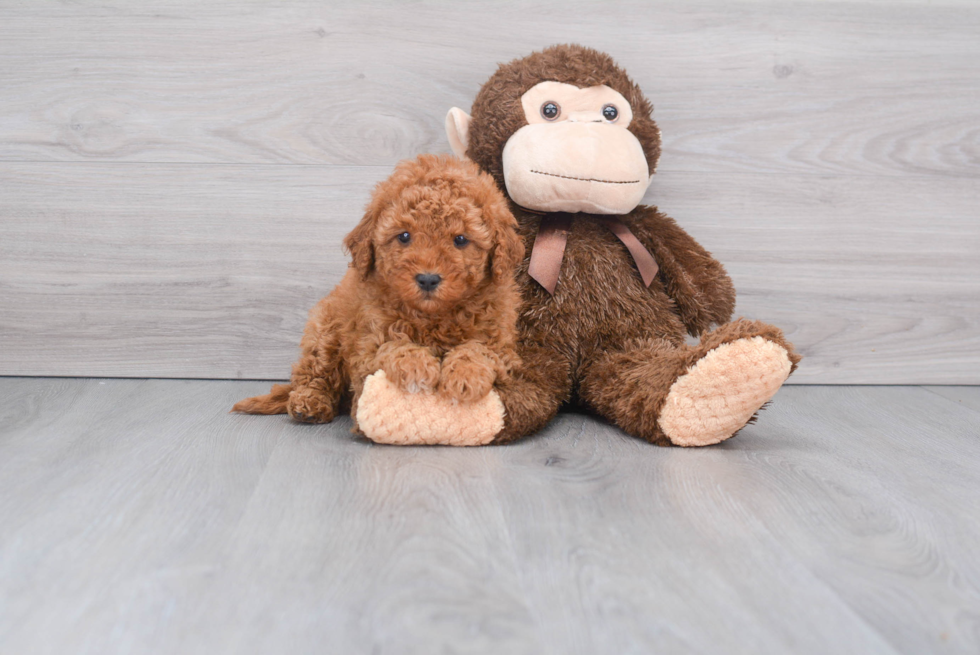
[388, 415]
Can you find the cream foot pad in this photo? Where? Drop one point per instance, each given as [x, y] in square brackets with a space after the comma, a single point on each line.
[386, 414]
[720, 393]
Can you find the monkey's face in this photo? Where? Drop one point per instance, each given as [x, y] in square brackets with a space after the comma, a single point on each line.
[576, 153]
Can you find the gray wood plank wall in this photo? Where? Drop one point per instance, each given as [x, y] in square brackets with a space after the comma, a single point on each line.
[175, 178]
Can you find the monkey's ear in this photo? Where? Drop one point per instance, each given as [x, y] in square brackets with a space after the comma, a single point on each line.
[458, 131]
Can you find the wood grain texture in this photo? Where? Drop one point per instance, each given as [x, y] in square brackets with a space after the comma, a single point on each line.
[964, 396]
[175, 180]
[738, 87]
[205, 271]
[138, 516]
[173, 270]
[876, 281]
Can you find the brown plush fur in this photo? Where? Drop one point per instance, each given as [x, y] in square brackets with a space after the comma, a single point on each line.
[603, 339]
[497, 112]
[457, 340]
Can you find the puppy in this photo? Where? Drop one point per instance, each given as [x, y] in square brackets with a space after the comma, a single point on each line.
[429, 298]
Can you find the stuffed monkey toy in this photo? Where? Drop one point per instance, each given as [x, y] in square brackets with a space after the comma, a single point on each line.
[609, 286]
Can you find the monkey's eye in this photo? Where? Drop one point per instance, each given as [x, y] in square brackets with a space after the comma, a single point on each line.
[404, 237]
[550, 111]
[461, 241]
[610, 113]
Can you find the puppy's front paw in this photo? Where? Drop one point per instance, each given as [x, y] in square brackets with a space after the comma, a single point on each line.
[466, 378]
[413, 371]
[309, 406]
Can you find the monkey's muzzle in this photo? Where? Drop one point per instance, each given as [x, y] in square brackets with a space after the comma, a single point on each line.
[575, 167]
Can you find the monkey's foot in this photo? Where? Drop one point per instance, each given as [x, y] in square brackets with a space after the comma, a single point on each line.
[388, 415]
[718, 395]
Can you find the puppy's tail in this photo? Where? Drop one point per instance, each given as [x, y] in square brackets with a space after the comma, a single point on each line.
[273, 402]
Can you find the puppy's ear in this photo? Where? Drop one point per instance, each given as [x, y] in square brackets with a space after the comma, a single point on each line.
[360, 242]
[508, 249]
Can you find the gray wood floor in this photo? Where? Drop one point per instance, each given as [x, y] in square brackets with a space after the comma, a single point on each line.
[138, 516]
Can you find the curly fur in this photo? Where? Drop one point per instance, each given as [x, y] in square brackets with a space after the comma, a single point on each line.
[457, 340]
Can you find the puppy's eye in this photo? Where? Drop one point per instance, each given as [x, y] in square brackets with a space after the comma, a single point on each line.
[550, 110]
[610, 113]
[404, 237]
[461, 241]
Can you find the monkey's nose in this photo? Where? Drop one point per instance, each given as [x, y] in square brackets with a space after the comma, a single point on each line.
[428, 281]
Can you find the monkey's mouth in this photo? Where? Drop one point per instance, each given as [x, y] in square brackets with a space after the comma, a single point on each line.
[586, 179]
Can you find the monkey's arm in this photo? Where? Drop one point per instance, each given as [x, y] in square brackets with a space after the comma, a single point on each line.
[695, 280]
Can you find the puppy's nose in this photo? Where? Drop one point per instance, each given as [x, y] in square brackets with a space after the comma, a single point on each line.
[428, 281]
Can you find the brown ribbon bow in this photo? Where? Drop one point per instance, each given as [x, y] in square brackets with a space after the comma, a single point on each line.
[549, 249]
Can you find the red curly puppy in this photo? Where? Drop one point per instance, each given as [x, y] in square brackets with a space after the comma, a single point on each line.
[429, 298]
